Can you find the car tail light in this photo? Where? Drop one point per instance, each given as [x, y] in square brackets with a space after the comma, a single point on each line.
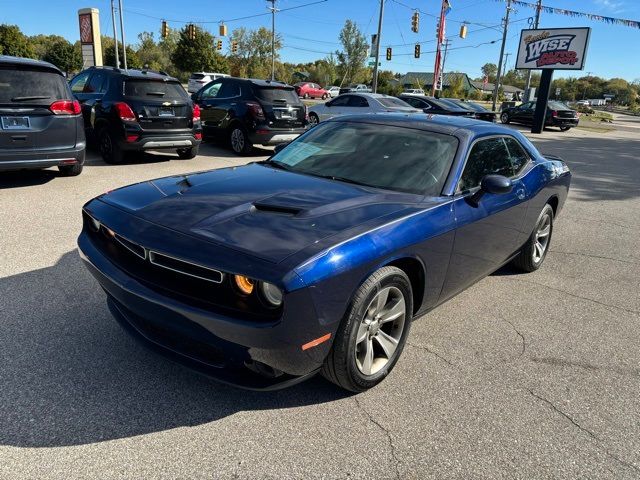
[256, 110]
[124, 112]
[196, 113]
[198, 136]
[554, 113]
[65, 107]
[132, 138]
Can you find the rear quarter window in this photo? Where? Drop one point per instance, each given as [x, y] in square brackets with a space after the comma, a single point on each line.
[31, 86]
[154, 89]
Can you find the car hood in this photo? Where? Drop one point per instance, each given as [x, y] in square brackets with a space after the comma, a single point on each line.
[265, 212]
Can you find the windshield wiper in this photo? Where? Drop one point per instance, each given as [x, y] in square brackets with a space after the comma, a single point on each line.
[345, 180]
[274, 164]
[31, 97]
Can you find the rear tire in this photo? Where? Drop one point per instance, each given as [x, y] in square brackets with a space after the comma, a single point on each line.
[504, 118]
[564, 128]
[188, 153]
[70, 170]
[324, 96]
[239, 140]
[306, 95]
[109, 149]
[313, 119]
[535, 250]
[373, 332]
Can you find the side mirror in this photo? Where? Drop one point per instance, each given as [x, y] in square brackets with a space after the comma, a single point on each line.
[495, 184]
[279, 147]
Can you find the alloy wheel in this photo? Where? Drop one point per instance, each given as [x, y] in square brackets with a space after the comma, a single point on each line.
[543, 234]
[504, 118]
[380, 331]
[313, 120]
[237, 140]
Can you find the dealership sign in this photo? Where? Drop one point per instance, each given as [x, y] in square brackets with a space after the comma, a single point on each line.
[553, 48]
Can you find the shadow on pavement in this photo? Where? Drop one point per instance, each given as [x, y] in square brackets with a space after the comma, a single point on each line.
[70, 376]
[27, 178]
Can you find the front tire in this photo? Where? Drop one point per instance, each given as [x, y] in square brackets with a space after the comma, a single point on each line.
[504, 118]
[535, 250]
[371, 337]
[305, 96]
[239, 140]
[313, 119]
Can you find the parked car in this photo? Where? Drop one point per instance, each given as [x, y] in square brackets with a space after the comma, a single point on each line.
[128, 111]
[40, 122]
[557, 115]
[310, 90]
[478, 110]
[333, 91]
[247, 112]
[413, 91]
[319, 258]
[198, 80]
[351, 104]
[355, 88]
[435, 106]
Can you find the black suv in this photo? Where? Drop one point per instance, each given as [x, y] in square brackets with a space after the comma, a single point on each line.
[247, 112]
[40, 122]
[136, 110]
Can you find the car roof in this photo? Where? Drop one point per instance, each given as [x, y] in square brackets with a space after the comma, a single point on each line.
[28, 62]
[135, 73]
[262, 83]
[434, 123]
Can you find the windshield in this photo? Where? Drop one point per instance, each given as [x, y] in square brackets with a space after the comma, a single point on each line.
[157, 89]
[451, 105]
[31, 86]
[392, 102]
[389, 157]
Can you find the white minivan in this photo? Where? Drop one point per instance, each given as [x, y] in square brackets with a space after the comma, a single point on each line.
[197, 80]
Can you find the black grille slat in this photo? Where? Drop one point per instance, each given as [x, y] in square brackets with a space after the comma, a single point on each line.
[184, 267]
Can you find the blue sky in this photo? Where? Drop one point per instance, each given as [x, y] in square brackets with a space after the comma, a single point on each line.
[311, 32]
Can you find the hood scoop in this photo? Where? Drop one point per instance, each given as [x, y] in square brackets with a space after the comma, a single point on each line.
[271, 207]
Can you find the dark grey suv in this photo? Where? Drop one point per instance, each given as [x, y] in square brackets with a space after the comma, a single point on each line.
[40, 122]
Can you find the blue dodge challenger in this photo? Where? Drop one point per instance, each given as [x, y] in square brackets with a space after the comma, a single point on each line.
[318, 259]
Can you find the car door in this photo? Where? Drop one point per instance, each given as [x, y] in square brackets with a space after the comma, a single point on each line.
[357, 104]
[206, 101]
[335, 107]
[524, 113]
[92, 95]
[488, 232]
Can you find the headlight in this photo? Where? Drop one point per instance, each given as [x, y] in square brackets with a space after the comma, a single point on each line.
[244, 284]
[271, 294]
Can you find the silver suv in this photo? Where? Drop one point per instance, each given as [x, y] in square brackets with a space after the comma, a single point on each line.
[197, 80]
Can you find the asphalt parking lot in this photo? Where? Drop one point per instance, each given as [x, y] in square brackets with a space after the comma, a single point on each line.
[521, 376]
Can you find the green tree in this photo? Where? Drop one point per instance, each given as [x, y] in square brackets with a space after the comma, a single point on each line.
[41, 43]
[354, 52]
[456, 88]
[14, 42]
[253, 57]
[151, 54]
[199, 54]
[64, 56]
[489, 70]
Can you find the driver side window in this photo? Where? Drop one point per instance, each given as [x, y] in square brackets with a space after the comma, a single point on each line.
[340, 101]
[487, 157]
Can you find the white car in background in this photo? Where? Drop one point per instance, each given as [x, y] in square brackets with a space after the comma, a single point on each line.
[413, 91]
[357, 103]
[333, 91]
[197, 80]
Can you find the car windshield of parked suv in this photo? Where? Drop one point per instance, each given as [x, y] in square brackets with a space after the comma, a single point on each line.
[31, 86]
[381, 156]
[276, 94]
[158, 89]
[392, 102]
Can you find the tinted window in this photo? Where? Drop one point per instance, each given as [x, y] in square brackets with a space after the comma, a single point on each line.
[79, 81]
[97, 83]
[22, 86]
[276, 94]
[197, 76]
[393, 102]
[356, 101]
[229, 90]
[553, 105]
[211, 90]
[487, 157]
[341, 101]
[391, 157]
[416, 102]
[519, 157]
[154, 89]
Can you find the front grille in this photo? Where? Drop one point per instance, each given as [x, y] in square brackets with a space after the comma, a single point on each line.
[184, 281]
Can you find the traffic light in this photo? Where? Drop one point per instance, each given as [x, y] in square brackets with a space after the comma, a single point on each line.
[415, 22]
[416, 51]
[463, 31]
[219, 45]
[234, 47]
[191, 31]
[223, 30]
[164, 29]
[389, 52]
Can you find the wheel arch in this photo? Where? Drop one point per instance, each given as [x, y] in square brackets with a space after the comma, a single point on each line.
[554, 202]
[417, 273]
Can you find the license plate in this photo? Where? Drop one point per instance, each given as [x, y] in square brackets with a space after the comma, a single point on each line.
[285, 115]
[15, 123]
[166, 112]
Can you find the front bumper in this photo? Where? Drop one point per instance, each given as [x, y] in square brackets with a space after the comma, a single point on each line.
[42, 159]
[246, 354]
[275, 136]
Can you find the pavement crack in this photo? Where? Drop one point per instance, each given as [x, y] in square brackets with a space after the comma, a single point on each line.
[589, 255]
[396, 460]
[608, 305]
[524, 341]
[594, 437]
[435, 354]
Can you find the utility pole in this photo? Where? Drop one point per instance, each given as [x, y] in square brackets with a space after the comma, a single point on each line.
[439, 40]
[124, 44]
[504, 40]
[115, 33]
[374, 84]
[444, 57]
[506, 64]
[527, 84]
[273, 38]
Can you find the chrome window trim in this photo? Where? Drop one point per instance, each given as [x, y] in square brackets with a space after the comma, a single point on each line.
[151, 253]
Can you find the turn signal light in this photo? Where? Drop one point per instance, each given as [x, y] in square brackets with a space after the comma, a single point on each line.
[196, 113]
[124, 112]
[244, 284]
[65, 107]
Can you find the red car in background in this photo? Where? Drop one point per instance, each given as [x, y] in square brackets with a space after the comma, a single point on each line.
[310, 90]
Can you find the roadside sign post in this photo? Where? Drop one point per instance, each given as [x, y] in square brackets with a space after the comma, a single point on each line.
[550, 49]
